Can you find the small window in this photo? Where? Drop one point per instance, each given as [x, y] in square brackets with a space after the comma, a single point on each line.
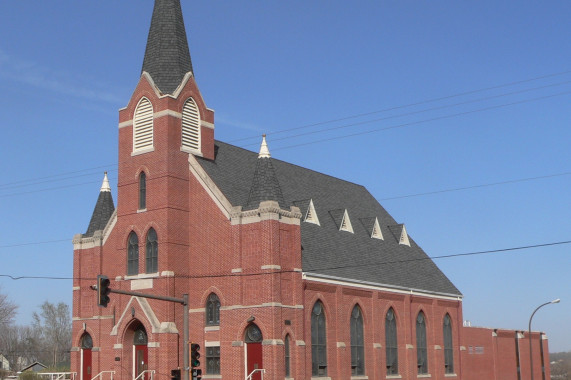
[448, 351]
[421, 345]
[287, 357]
[143, 126]
[357, 343]
[391, 346]
[213, 360]
[133, 254]
[142, 191]
[152, 252]
[318, 341]
[213, 310]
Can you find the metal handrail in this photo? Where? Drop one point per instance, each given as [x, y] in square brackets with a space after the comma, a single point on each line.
[151, 371]
[58, 375]
[249, 377]
[100, 375]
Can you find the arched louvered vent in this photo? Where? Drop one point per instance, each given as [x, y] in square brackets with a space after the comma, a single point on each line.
[346, 223]
[143, 126]
[190, 126]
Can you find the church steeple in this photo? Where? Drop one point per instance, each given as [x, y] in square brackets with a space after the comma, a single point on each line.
[167, 57]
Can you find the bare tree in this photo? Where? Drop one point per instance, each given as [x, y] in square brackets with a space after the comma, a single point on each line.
[54, 325]
[7, 310]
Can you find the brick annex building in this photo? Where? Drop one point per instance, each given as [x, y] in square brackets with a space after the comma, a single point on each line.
[288, 270]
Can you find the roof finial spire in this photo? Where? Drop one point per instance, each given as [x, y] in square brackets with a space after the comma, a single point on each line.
[264, 151]
[105, 186]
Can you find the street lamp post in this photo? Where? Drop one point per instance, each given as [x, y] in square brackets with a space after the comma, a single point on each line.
[529, 333]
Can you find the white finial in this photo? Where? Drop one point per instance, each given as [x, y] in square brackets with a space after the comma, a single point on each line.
[264, 151]
[105, 186]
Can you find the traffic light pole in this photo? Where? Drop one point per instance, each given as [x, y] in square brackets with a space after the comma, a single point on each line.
[184, 302]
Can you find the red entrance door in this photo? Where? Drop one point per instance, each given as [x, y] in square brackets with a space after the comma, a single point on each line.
[86, 362]
[254, 359]
[141, 359]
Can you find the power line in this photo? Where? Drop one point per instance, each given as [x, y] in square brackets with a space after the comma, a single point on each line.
[477, 186]
[403, 125]
[409, 105]
[32, 181]
[417, 112]
[400, 261]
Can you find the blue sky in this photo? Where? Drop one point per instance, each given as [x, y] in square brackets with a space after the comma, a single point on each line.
[451, 95]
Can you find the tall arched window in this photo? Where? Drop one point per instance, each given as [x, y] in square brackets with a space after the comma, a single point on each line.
[391, 347]
[143, 126]
[318, 341]
[357, 342]
[133, 254]
[152, 252]
[448, 352]
[190, 126]
[213, 310]
[287, 356]
[142, 191]
[421, 350]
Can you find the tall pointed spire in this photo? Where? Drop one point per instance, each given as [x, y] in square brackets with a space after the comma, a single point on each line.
[167, 57]
[104, 208]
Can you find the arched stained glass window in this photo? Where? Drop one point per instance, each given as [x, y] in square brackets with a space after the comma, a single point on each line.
[213, 310]
[318, 341]
[133, 254]
[86, 342]
[357, 342]
[152, 252]
[391, 346]
[448, 352]
[421, 345]
[140, 337]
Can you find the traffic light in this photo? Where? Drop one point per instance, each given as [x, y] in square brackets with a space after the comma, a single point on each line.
[175, 374]
[103, 290]
[196, 374]
[194, 355]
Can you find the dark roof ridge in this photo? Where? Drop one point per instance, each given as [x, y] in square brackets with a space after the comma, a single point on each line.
[296, 165]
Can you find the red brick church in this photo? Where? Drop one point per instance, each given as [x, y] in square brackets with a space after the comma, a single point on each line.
[291, 273]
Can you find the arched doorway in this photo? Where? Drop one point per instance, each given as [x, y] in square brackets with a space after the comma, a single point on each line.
[140, 352]
[253, 338]
[86, 346]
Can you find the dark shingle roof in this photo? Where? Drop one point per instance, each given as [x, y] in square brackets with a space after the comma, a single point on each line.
[167, 57]
[102, 212]
[265, 185]
[326, 250]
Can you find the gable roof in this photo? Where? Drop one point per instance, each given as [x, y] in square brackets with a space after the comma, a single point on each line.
[167, 57]
[326, 251]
